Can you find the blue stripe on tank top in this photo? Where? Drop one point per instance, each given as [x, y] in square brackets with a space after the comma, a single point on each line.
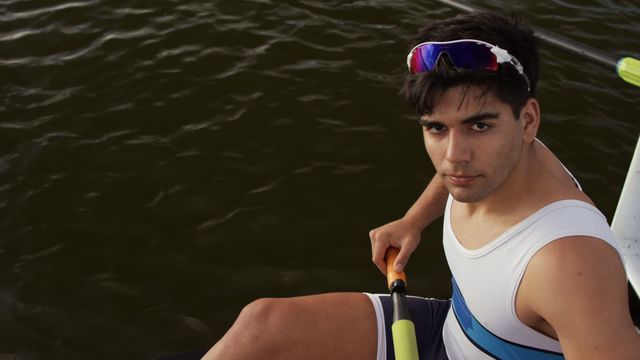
[489, 343]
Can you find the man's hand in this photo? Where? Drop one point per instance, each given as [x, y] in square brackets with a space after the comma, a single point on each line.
[400, 234]
[404, 233]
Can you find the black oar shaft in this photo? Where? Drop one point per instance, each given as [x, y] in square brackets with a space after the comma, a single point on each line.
[398, 296]
[552, 39]
[576, 48]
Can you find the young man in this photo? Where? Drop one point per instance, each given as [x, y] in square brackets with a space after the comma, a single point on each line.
[536, 272]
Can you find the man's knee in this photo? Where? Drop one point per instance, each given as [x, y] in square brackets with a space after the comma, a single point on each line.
[256, 332]
[265, 319]
[263, 312]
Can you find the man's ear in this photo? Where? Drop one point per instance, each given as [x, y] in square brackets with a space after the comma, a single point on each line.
[530, 119]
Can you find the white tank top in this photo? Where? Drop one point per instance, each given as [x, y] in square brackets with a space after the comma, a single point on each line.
[486, 281]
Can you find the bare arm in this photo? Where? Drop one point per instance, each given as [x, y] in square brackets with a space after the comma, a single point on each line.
[577, 285]
[404, 233]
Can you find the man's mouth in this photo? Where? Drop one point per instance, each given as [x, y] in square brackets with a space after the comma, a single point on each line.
[461, 179]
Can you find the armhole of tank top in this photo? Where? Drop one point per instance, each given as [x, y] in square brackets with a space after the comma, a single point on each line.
[575, 181]
[515, 287]
[558, 235]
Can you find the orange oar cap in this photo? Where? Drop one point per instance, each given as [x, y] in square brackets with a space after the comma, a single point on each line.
[392, 275]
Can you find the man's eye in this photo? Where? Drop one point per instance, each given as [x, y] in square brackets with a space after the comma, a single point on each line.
[480, 126]
[434, 128]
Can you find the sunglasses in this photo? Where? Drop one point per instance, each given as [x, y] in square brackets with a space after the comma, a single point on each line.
[465, 54]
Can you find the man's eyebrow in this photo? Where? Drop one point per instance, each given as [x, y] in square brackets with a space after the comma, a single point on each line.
[424, 122]
[470, 120]
[480, 117]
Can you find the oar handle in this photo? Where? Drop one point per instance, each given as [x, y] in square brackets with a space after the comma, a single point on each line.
[392, 274]
[403, 331]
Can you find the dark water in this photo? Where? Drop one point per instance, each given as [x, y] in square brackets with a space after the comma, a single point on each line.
[164, 163]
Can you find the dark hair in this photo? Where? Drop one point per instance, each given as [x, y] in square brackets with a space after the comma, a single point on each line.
[422, 90]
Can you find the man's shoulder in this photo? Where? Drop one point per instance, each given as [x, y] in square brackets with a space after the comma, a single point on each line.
[570, 270]
[568, 263]
[575, 250]
[578, 286]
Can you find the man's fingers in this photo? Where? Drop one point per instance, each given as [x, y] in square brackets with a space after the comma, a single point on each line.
[378, 249]
[382, 239]
[403, 256]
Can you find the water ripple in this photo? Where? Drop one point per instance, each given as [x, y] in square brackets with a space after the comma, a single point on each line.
[143, 144]
[21, 15]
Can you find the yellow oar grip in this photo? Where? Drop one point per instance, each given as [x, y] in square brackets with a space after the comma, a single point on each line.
[404, 340]
[392, 275]
[629, 70]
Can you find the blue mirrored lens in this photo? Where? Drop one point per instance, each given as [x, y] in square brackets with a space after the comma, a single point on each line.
[466, 55]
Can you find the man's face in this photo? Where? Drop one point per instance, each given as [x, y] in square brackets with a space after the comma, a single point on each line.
[474, 142]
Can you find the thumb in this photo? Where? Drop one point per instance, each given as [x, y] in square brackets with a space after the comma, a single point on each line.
[403, 257]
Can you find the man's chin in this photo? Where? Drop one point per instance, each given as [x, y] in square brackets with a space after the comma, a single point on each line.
[466, 195]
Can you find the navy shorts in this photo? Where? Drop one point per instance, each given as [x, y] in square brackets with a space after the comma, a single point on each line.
[428, 316]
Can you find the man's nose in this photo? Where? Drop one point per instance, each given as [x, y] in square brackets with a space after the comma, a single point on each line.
[458, 148]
